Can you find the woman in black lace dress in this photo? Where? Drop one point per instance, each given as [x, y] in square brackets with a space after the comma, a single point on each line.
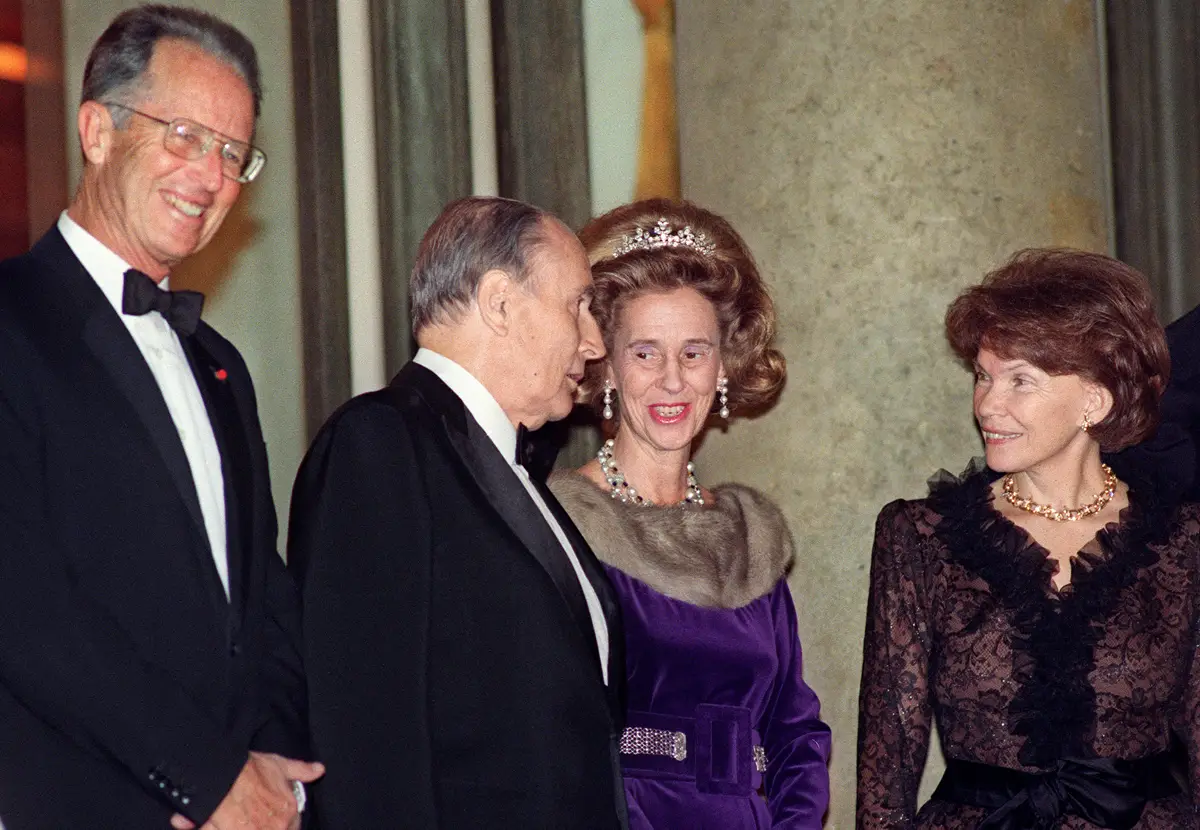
[1040, 610]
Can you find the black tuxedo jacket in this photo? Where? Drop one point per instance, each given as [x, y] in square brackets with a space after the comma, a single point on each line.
[452, 667]
[130, 687]
[1168, 460]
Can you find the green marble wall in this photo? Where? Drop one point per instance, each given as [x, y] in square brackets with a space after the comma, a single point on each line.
[878, 156]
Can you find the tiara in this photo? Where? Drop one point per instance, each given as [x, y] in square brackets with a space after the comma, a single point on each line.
[661, 236]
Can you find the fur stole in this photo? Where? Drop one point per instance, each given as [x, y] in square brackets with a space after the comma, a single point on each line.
[722, 555]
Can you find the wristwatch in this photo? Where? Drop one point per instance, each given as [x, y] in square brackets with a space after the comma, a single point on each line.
[300, 794]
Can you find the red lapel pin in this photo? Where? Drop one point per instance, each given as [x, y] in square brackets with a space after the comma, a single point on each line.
[221, 374]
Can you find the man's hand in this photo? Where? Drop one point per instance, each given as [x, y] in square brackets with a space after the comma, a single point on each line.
[261, 798]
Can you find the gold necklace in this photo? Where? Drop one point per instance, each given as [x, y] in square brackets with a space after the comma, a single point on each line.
[1063, 514]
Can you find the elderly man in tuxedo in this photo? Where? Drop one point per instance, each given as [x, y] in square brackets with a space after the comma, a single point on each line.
[462, 645]
[149, 662]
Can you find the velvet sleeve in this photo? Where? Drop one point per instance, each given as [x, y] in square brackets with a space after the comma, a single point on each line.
[796, 740]
[894, 709]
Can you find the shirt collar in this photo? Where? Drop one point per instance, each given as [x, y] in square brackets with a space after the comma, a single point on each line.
[476, 398]
[105, 267]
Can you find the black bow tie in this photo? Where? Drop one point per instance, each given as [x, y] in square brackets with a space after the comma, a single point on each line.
[535, 454]
[180, 308]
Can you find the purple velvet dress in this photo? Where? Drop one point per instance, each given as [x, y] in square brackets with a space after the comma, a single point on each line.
[717, 658]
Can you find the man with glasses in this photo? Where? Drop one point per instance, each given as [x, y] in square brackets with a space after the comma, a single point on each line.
[149, 664]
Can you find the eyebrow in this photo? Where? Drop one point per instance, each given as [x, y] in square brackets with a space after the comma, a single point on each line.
[650, 341]
[1008, 365]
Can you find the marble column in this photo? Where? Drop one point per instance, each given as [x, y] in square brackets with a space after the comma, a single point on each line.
[878, 157]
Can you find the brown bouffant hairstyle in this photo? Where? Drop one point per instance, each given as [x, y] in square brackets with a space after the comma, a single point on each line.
[727, 277]
[1072, 313]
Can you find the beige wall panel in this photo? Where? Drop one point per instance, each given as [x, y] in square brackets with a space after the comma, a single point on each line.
[249, 273]
[878, 156]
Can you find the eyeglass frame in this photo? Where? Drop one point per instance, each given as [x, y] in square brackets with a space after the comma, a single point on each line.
[256, 160]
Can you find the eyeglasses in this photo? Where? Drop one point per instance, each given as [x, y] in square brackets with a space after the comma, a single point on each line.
[190, 140]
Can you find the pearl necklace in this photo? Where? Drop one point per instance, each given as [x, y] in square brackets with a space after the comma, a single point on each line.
[1064, 514]
[621, 489]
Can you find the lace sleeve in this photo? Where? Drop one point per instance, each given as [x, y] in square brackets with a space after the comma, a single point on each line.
[894, 710]
[1188, 724]
[1188, 719]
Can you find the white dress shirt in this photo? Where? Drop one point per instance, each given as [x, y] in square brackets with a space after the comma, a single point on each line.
[488, 414]
[164, 355]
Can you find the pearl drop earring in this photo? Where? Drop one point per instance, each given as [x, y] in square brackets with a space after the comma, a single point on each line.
[608, 391]
[723, 389]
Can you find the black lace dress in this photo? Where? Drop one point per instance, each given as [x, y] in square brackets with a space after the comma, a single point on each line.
[964, 625]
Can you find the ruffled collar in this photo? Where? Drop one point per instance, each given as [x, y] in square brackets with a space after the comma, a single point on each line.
[1054, 635]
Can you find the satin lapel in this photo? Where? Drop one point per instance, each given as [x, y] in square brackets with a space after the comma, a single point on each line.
[93, 339]
[108, 339]
[605, 592]
[223, 414]
[505, 492]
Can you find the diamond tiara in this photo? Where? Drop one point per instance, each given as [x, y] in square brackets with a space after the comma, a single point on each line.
[661, 236]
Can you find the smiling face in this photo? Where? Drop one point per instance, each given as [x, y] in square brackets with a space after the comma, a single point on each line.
[1028, 417]
[554, 329]
[664, 366]
[148, 205]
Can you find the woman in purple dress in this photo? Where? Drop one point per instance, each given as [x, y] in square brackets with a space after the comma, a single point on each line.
[722, 731]
[1040, 610]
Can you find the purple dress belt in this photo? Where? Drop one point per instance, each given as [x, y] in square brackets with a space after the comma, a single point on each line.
[716, 748]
